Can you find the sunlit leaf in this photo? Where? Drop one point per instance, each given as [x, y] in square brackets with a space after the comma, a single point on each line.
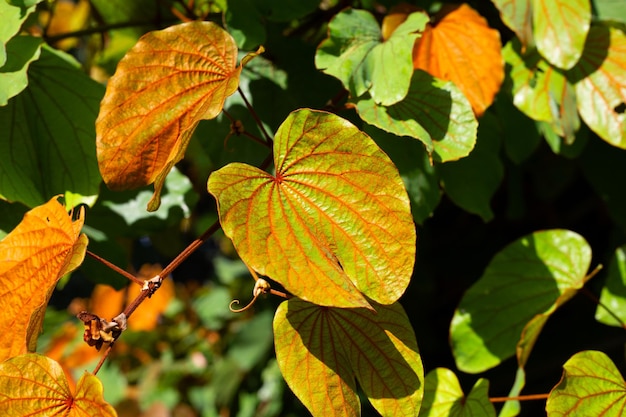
[332, 223]
[434, 112]
[322, 352]
[600, 82]
[46, 245]
[560, 28]
[443, 397]
[503, 312]
[21, 51]
[167, 83]
[46, 140]
[609, 10]
[613, 296]
[517, 15]
[461, 47]
[355, 54]
[34, 385]
[591, 386]
[12, 17]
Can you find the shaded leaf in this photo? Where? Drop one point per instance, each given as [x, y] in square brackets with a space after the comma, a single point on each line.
[503, 312]
[591, 385]
[600, 82]
[46, 141]
[355, 54]
[443, 397]
[34, 385]
[334, 221]
[322, 352]
[520, 135]
[12, 16]
[21, 51]
[45, 246]
[434, 112]
[461, 47]
[167, 83]
[609, 10]
[517, 15]
[613, 294]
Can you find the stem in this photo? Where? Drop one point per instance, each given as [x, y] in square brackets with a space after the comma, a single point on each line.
[268, 139]
[102, 359]
[529, 397]
[115, 268]
[103, 28]
[596, 300]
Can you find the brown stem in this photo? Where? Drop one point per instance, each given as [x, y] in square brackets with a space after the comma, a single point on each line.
[256, 118]
[596, 300]
[104, 28]
[102, 359]
[529, 397]
[115, 268]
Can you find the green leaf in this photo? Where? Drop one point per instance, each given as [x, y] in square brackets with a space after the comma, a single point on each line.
[46, 144]
[12, 15]
[520, 135]
[512, 408]
[434, 112]
[506, 308]
[21, 51]
[333, 223]
[472, 181]
[443, 397]
[321, 351]
[609, 10]
[356, 54]
[560, 28]
[613, 294]
[591, 386]
[517, 15]
[600, 82]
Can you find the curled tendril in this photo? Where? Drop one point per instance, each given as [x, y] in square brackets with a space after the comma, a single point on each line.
[260, 287]
[230, 306]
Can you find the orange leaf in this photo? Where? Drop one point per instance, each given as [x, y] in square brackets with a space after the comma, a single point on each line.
[46, 245]
[34, 385]
[462, 48]
[167, 83]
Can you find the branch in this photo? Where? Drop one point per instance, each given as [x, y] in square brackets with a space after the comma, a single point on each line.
[529, 397]
[104, 28]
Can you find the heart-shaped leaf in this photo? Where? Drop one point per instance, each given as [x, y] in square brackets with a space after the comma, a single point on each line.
[613, 296]
[46, 245]
[600, 82]
[434, 111]
[504, 311]
[443, 397]
[332, 223]
[167, 83]
[356, 54]
[321, 351]
[34, 385]
[461, 47]
[591, 386]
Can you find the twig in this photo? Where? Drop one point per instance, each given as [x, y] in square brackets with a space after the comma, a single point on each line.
[258, 121]
[529, 397]
[596, 300]
[105, 28]
[116, 268]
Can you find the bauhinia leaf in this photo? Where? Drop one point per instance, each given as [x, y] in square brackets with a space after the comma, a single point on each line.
[356, 54]
[434, 111]
[443, 397]
[517, 15]
[600, 82]
[613, 296]
[322, 352]
[46, 245]
[12, 18]
[504, 311]
[591, 386]
[34, 385]
[461, 47]
[21, 51]
[332, 223]
[167, 83]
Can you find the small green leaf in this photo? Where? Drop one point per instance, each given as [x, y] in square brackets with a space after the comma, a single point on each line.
[522, 285]
[591, 386]
[321, 351]
[12, 15]
[609, 10]
[333, 223]
[443, 397]
[519, 133]
[356, 54]
[517, 15]
[560, 28]
[613, 294]
[21, 51]
[434, 112]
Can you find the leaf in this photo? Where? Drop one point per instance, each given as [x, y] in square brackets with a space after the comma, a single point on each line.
[522, 285]
[434, 112]
[609, 10]
[46, 245]
[461, 47]
[47, 138]
[321, 351]
[167, 83]
[560, 28]
[355, 54]
[591, 385]
[613, 294]
[517, 15]
[600, 83]
[520, 134]
[36, 385]
[332, 223]
[12, 17]
[21, 51]
[443, 397]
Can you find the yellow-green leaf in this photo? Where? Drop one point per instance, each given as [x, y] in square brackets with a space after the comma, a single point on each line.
[167, 83]
[46, 245]
[34, 385]
[322, 352]
[332, 223]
